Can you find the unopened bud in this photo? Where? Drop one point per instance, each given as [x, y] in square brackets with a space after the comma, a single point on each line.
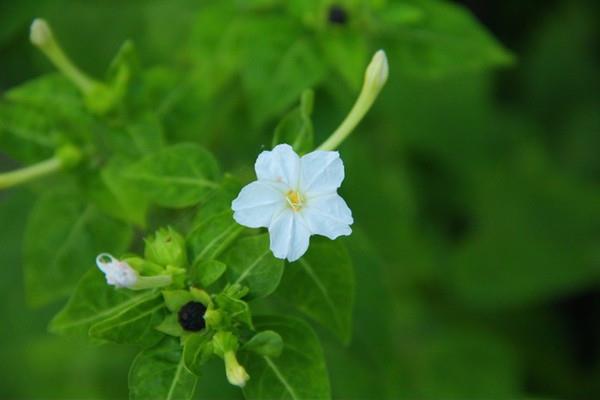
[40, 33]
[377, 72]
[166, 247]
[236, 374]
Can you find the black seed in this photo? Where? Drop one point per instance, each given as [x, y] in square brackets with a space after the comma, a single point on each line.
[191, 316]
[337, 15]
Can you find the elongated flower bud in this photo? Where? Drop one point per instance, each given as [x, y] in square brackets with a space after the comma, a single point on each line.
[40, 33]
[377, 72]
[118, 273]
[236, 374]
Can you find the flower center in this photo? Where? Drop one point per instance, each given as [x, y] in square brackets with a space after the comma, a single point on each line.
[294, 199]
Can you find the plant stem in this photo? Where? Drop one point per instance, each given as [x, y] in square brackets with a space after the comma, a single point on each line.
[27, 174]
[358, 111]
[376, 75]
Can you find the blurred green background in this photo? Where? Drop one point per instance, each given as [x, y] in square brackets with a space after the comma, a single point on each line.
[474, 184]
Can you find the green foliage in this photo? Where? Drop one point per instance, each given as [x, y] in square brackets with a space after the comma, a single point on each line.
[474, 195]
[265, 343]
[71, 242]
[251, 263]
[298, 373]
[197, 350]
[296, 127]
[177, 176]
[160, 372]
[321, 285]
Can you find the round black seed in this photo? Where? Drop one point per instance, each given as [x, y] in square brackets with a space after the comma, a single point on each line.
[337, 15]
[191, 316]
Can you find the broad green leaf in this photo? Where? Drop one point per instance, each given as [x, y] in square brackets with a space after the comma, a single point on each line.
[94, 301]
[347, 53]
[114, 195]
[214, 228]
[138, 138]
[160, 373]
[64, 235]
[298, 373]
[197, 350]
[321, 285]
[443, 40]
[265, 343]
[251, 263]
[41, 114]
[177, 176]
[296, 127]
[134, 325]
[205, 273]
[282, 66]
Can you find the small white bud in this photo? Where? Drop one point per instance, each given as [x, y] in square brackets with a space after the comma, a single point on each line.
[118, 273]
[40, 33]
[236, 374]
[377, 72]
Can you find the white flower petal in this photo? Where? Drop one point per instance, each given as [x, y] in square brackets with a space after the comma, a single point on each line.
[257, 203]
[117, 273]
[328, 215]
[321, 172]
[289, 235]
[281, 164]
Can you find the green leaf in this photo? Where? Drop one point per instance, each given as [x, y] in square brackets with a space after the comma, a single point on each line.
[95, 301]
[296, 127]
[177, 176]
[64, 235]
[251, 263]
[321, 285]
[236, 309]
[446, 39]
[298, 373]
[114, 195]
[160, 373]
[205, 273]
[197, 350]
[133, 325]
[214, 227]
[39, 115]
[265, 343]
[282, 66]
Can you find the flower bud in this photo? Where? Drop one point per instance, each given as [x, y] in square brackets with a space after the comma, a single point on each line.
[118, 273]
[236, 374]
[167, 247]
[377, 72]
[40, 33]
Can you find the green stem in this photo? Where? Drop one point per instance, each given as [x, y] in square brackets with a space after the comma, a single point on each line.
[360, 108]
[27, 174]
[154, 281]
[43, 38]
[376, 75]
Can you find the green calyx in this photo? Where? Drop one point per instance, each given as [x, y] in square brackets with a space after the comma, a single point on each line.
[166, 247]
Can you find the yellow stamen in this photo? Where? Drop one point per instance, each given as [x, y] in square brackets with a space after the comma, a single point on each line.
[294, 199]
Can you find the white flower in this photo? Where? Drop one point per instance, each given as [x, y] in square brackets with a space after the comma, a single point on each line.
[295, 197]
[118, 273]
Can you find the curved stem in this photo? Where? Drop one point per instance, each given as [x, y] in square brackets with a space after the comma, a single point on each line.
[27, 174]
[358, 111]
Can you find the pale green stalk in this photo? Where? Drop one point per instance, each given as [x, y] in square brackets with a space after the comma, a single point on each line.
[41, 36]
[375, 77]
[27, 174]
